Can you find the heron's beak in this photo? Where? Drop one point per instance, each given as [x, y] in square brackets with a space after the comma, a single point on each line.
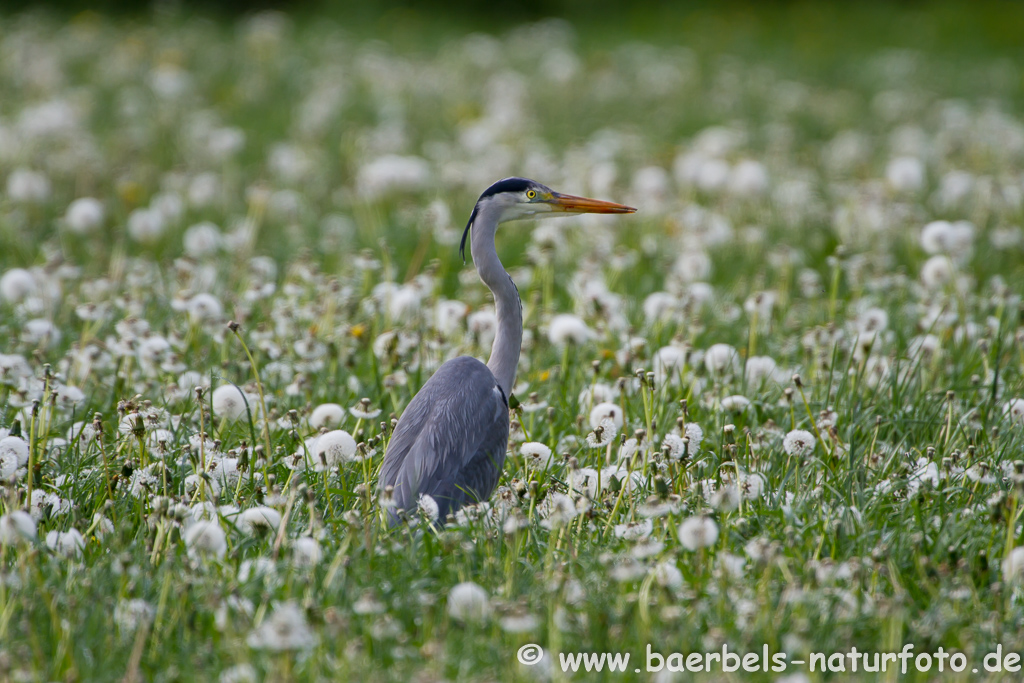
[572, 204]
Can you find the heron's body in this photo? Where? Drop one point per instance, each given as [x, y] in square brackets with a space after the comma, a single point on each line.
[461, 399]
[451, 440]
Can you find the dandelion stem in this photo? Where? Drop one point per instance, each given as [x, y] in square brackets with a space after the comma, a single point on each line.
[265, 426]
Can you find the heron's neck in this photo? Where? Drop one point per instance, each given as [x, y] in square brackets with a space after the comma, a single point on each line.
[508, 337]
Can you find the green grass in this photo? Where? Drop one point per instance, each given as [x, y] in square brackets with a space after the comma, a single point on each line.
[875, 539]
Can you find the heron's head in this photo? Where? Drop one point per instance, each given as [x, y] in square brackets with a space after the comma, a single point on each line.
[515, 198]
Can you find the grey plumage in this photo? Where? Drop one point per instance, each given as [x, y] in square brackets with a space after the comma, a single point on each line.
[450, 442]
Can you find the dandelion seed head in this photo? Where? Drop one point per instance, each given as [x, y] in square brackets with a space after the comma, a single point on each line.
[667, 575]
[725, 498]
[557, 509]
[202, 240]
[364, 411]
[68, 543]
[306, 552]
[26, 186]
[519, 623]
[1013, 566]
[286, 628]
[84, 215]
[14, 449]
[720, 359]
[332, 449]
[129, 615]
[206, 538]
[239, 673]
[468, 602]
[607, 411]
[798, 443]
[698, 532]
[568, 330]
[632, 531]
[937, 272]
[205, 307]
[427, 508]
[761, 369]
[17, 527]
[748, 178]
[695, 434]
[735, 403]
[326, 415]
[146, 226]
[905, 174]
[392, 173]
[259, 520]
[603, 433]
[1012, 409]
[537, 455]
[229, 402]
[676, 446]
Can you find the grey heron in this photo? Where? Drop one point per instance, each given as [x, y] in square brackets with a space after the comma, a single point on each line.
[451, 439]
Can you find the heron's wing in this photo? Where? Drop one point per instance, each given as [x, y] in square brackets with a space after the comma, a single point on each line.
[450, 442]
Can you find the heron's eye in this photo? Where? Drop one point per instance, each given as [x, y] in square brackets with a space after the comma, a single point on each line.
[531, 194]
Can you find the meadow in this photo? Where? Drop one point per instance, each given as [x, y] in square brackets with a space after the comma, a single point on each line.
[779, 410]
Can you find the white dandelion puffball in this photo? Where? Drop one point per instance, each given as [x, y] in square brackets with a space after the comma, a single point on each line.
[16, 527]
[146, 225]
[205, 307]
[905, 174]
[798, 442]
[67, 543]
[332, 449]
[14, 447]
[696, 435]
[735, 403]
[259, 519]
[720, 359]
[537, 455]
[206, 538]
[1013, 566]
[202, 239]
[229, 402]
[16, 285]
[668, 361]
[84, 215]
[565, 329]
[306, 552]
[392, 173]
[285, 629]
[936, 237]
[8, 466]
[427, 507]
[668, 575]
[760, 369]
[468, 602]
[130, 614]
[748, 178]
[698, 532]
[41, 331]
[558, 509]
[1012, 409]
[606, 410]
[326, 415]
[936, 272]
[632, 531]
[27, 186]
[675, 446]
[239, 673]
